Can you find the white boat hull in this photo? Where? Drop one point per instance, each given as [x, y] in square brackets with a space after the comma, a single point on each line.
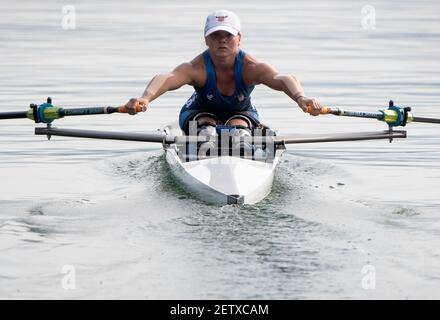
[226, 179]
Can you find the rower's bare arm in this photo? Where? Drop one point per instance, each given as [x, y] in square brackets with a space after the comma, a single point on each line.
[161, 83]
[268, 76]
[290, 85]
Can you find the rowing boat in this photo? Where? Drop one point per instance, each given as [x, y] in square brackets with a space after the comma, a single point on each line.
[225, 176]
[224, 179]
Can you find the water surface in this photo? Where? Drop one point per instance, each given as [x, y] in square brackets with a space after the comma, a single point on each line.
[113, 211]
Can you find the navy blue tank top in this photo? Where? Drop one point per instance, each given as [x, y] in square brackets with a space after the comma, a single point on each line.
[209, 98]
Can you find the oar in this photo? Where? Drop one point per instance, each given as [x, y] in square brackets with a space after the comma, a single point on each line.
[152, 136]
[155, 136]
[393, 116]
[355, 136]
[46, 112]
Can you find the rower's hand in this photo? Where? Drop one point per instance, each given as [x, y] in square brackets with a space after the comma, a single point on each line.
[310, 105]
[135, 105]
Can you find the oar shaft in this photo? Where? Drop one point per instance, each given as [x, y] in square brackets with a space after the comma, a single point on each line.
[357, 114]
[110, 135]
[386, 115]
[46, 113]
[394, 116]
[87, 111]
[343, 137]
[13, 115]
[426, 120]
[93, 110]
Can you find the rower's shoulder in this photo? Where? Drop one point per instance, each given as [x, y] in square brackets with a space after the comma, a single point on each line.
[198, 62]
[253, 68]
[197, 70]
[252, 64]
[249, 61]
[192, 65]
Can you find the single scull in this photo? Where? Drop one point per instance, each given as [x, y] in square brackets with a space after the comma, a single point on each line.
[228, 175]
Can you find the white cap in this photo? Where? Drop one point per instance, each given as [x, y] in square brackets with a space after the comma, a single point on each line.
[222, 20]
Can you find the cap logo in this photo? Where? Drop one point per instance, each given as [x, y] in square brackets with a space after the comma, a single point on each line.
[220, 18]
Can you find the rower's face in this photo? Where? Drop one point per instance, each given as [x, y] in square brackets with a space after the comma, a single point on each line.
[223, 43]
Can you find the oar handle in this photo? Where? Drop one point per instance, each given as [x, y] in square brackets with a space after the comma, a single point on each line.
[46, 112]
[324, 110]
[122, 108]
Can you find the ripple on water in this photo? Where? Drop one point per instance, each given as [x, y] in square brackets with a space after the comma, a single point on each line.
[266, 241]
